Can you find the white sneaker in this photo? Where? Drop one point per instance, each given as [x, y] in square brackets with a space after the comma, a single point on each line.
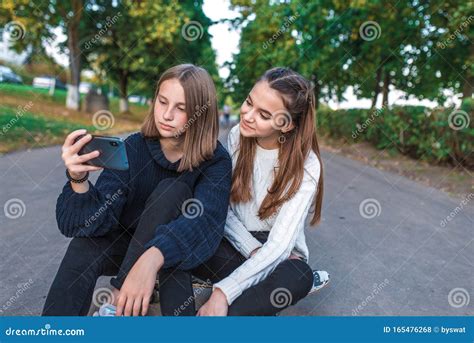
[106, 310]
[321, 279]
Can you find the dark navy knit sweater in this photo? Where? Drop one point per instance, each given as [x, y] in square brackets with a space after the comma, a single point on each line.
[118, 198]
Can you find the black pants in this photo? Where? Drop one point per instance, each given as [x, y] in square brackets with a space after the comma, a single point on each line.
[291, 281]
[87, 258]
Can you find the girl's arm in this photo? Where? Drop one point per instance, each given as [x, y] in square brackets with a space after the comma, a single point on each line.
[95, 210]
[289, 222]
[187, 242]
[238, 235]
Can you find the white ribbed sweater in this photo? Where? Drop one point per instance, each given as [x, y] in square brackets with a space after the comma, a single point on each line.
[286, 226]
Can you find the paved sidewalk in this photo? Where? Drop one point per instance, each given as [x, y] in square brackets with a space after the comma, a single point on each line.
[402, 261]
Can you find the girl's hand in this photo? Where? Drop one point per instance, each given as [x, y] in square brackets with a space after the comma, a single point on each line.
[72, 160]
[215, 306]
[137, 288]
[253, 252]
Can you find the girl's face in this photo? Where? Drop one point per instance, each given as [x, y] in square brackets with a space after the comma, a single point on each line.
[170, 111]
[260, 114]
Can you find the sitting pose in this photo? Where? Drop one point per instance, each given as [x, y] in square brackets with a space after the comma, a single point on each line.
[165, 214]
[276, 185]
[261, 267]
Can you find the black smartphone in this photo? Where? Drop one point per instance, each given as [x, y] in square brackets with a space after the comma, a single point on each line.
[113, 154]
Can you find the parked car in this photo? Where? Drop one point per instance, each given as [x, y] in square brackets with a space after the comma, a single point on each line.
[137, 99]
[46, 82]
[7, 75]
[85, 87]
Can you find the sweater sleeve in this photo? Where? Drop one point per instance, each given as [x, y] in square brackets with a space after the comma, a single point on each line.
[188, 241]
[238, 235]
[281, 240]
[95, 212]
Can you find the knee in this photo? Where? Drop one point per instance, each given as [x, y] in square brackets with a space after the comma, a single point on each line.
[80, 246]
[301, 275]
[82, 254]
[171, 190]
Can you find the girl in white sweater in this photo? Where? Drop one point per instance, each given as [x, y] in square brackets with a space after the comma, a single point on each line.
[277, 189]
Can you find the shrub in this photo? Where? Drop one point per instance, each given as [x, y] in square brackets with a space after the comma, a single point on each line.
[441, 135]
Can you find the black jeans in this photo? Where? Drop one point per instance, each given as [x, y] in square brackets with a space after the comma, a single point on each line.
[290, 282]
[87, 258]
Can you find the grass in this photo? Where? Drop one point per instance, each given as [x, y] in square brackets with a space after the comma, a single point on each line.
[25, 129]
[30, 117]
[59, 97]
[29, 92]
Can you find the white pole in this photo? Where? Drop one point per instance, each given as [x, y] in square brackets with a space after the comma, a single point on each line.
[52, 87]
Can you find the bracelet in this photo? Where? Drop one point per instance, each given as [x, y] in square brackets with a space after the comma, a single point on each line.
[70, 178]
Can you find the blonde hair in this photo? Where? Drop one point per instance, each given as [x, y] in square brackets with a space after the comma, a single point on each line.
[202, 128]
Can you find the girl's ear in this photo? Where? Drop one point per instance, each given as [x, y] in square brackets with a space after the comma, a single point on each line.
[289, 127]
[282, 121]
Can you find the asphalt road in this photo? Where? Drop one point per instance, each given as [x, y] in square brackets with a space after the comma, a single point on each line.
[382, 239]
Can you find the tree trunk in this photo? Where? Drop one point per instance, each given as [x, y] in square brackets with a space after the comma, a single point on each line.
[468, 87]
[73, 97]
[123, 85]
[378, 76]
[317, 90]
[386, 84]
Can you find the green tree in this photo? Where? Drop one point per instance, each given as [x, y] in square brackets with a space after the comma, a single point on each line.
[164, 34]
[449, 49]
[38, 21]
[266, 41]
[127, 41]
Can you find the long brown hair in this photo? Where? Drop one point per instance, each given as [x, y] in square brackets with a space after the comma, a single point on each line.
[299, 100]
[202, 127]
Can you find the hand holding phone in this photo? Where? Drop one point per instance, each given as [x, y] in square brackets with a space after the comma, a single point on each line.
[112, 152]
[85, 152]
[74, 162]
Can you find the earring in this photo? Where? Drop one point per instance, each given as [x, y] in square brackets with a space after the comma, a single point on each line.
[281, 139]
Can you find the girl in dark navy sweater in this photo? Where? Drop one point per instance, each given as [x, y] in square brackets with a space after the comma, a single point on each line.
[165, 215]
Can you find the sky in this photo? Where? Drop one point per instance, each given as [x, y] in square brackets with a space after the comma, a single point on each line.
[225, 40]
